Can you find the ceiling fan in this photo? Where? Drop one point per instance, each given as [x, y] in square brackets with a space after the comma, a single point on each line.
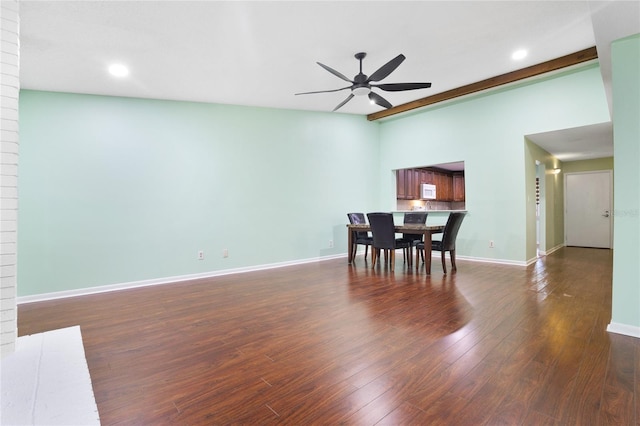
[362, 85]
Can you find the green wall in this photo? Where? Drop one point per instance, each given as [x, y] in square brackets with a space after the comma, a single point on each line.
[487, 133]
[587, 165]
[626, 212]
[120, 190]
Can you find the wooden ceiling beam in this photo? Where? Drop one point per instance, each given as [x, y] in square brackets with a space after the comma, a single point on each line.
[521, 74]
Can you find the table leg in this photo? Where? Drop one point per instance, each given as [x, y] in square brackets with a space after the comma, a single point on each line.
[349, 244]
[427, 252]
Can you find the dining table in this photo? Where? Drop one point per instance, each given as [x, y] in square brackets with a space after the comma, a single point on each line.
[411, 228]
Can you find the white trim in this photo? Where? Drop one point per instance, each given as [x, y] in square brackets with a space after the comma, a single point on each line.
[551, 250]
[627, 330]
[488, 260]
[166, 280]
[169, 280]
[532, 261]
[436, 255]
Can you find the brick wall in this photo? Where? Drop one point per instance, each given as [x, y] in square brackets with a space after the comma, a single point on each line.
[9, 89]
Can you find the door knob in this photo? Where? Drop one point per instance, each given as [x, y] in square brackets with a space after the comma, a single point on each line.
[606, 213]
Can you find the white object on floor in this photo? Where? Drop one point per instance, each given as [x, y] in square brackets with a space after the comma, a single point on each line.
[46, 381]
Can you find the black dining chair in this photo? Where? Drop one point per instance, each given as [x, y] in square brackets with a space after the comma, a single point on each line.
[384, 237]
[413, 218]
[448, 242]
[359, 237]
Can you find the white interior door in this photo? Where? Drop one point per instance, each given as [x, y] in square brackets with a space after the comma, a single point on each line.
[587, 215]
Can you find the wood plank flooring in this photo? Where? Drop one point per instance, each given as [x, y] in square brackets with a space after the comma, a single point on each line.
[331, 343]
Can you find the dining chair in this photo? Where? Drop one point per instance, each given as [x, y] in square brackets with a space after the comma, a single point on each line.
[414, 218]
[384, 237]
[359, 237]
[448, 242]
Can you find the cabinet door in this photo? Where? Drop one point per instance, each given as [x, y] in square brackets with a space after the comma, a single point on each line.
[458, 187]
[443, 186]
[401, 192]
[415, 185]
[409, 184]
[427, 177]
[439, 182]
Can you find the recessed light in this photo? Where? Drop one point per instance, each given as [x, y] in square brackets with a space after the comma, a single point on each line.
[118, 70]
[519, 54]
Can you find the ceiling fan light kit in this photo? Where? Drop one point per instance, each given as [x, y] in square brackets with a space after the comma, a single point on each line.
[362, 85]
[361, 91]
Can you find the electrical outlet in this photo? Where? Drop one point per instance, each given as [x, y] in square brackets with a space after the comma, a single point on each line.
[225, 253]
[490, 243]
[200, 255]
[330, 243]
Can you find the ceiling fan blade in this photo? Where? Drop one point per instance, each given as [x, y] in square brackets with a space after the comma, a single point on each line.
[343, 102]
[334, 72]
[387, 68]
[323, 91]
[398, 87]
[377, 99]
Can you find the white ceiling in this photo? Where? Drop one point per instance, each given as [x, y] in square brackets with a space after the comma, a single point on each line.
[261, 53]
[578, 143]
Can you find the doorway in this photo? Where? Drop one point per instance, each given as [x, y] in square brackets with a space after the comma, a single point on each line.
[588, 209]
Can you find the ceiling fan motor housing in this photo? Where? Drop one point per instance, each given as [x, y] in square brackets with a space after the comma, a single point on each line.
[360, 85]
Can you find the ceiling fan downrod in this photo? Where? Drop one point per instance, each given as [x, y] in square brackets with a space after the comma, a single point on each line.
[360, 86]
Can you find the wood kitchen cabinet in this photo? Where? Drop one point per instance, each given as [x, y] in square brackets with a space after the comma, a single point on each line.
[411, 183]
[401, 191]
[426, 176]
[449, 186]
[458, 186]
[408, 184]
[444, 186]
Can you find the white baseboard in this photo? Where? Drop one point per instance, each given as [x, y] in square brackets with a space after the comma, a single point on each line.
[627, 330]
[532, 261]
[168, 280]
[486, 260]
[436, 255]
[551, 250]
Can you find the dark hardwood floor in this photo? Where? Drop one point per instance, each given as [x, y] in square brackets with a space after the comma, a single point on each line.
[331, 343]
